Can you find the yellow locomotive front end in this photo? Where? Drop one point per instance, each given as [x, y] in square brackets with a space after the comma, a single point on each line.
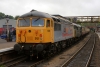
[34, 34]
[34, 30]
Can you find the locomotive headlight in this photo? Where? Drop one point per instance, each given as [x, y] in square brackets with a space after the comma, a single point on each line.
[40, 36]
[19, 35]
[22, 46]
[24, 32]
[20, 31]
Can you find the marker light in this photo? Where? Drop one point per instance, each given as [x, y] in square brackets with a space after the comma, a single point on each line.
[40, 35]
[20, 31]
[19, 35]
[25, 32]
[36, 32]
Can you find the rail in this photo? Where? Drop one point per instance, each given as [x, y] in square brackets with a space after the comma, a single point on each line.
[68, 61]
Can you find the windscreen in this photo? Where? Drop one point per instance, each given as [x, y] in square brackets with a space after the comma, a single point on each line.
[24, 22]
[37, 22]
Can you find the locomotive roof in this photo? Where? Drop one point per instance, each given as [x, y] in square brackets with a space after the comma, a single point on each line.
[35, 13]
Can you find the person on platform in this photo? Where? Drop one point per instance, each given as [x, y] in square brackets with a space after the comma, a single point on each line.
[14, 35]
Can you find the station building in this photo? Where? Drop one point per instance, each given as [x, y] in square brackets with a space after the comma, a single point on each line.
[3, 25]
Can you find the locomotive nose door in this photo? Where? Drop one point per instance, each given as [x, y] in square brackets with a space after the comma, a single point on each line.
[49, 30]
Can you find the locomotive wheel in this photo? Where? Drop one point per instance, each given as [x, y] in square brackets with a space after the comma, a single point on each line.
[59, 47]
[54, 49]
[51, 49]
[42, 54]
[67, 43]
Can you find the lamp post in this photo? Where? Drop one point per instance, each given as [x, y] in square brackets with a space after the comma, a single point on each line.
[7, 19]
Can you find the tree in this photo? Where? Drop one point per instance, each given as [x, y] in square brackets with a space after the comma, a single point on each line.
[2, 15]
[10, 17]
[16, 17]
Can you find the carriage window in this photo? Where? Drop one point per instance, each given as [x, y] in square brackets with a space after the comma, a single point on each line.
[57, 27]
[58, 20]
[76, 27]
[54, 19]
[24, 22]
[48, 23]
[37, 22]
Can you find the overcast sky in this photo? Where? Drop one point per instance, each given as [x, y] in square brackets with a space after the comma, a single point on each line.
[62, 7]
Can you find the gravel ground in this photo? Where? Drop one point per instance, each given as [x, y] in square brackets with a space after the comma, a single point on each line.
[60, 59]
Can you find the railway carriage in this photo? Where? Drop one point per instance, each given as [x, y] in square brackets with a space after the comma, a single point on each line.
[77, 30]
[85, 30]
[63, 29]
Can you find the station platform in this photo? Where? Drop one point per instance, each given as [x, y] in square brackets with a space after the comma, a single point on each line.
[5, 45]
[2, 41]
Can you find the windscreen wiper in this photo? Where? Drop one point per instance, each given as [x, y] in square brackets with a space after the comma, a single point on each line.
[37, 19]
[24, 20]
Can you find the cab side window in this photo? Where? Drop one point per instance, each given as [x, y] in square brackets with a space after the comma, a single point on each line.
[48, 23]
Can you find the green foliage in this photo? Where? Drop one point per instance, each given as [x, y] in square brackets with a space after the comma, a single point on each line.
[78, 20]
[10, 17]
[98, 24]
[16, 17]
[2, 16]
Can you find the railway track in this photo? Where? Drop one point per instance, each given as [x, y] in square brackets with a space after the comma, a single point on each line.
[34, 63]
[14, 61]
[7, 56]
[83, 56]
[23, 61]
[94, 61]
[31, 63]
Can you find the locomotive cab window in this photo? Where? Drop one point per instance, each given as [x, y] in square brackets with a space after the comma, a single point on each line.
[37, 22]
[48, 23]
[24, 22]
